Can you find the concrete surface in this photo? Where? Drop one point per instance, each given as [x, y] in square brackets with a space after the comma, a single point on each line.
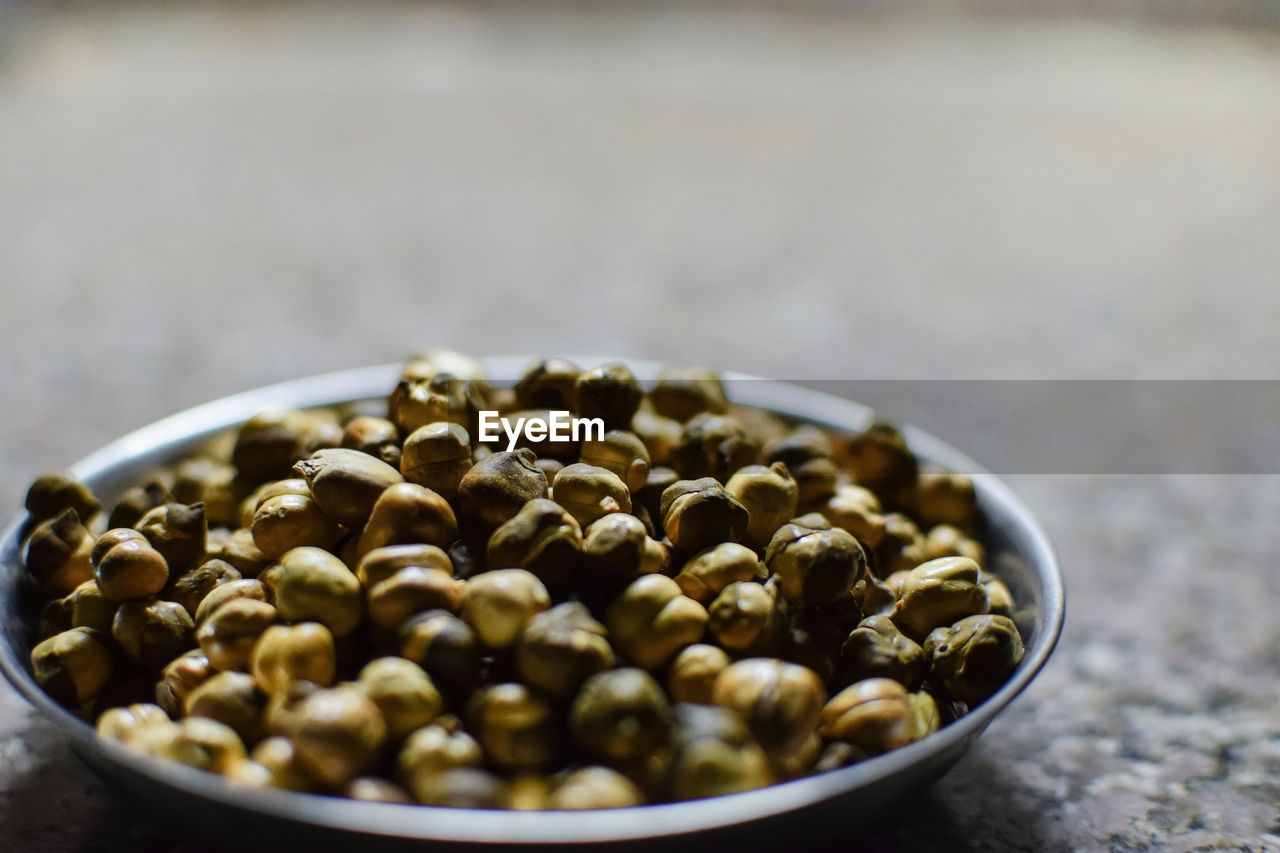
[198, 201]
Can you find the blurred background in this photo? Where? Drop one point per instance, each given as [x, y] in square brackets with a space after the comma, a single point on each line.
[197, 199]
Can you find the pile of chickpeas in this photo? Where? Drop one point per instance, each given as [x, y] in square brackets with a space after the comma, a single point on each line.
[707, 598]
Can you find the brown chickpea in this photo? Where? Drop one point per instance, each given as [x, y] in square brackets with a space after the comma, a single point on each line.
[313, 585]
[409, 514]
[713, 445]
[182, 675]
[432, 751]
[542, 538]
[697, 514]
[126, 566]
[73, 667]
[744, 619]
[710, 571]
[191, 589]
[694, 671]
[205, 744]
[287, 521]
[499, 604]
[651, 621]
[620, 715]
[594, 788]
[498, 486]
[939, 593]
[153, 632]
[874, 714]
[514, 725]
[58, 552]
[230, 591]
[560, 648]
[90, 608]
[378, 437]
[621, 452]
[288, 653]
[437, 456]
[52, 494]
[230, 633]
[126, 724]
[347, 483]
[403, 692]
[179, 532]
[338, 732]
[781, 702]
[443, 645]
[815, 567]
[588, 492]
[413, 590]
[609, 392]
[769, 494]
[682, 392]
[232, 699]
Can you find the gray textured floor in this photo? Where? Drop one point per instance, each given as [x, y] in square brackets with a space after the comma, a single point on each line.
[198, 202]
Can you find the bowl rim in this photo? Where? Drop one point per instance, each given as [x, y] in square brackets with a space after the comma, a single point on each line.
[463, 825]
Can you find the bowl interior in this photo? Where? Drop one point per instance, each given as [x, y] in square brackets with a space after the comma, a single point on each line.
[1018, 553]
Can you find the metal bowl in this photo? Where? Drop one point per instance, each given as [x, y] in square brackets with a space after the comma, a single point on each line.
[832, 804]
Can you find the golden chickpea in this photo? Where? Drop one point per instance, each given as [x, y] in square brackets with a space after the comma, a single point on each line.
[499, 604]
[90, 608]
[182, 675]
[694, 671]
[288, 653]
[710, 571]
[229, 635]
[781, 702]
[769, 494]
[408, 513]
[313, 585]
[651, 621]
[232, 699]
[250, 588]
[153, 632]
[58, 552]
[127, 567]
[338, 733]
[403, 692]
[125, 724]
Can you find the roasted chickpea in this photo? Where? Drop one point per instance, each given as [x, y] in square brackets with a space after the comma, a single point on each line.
[562, 647]
[313, 585]
[588, 492]
[230, 633]
[651, 621]
[437, 456]
[620, 715]
[499, 604]
[780, 702]
[710, 571]
[338, 733]
[403, 692]
[697, 514]
[288, 653]
[153, 632]
[232, 699]
[542, 538]
[73, 667]
[938, 593]
[694, 671]
[58, 554]
[407, 513]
